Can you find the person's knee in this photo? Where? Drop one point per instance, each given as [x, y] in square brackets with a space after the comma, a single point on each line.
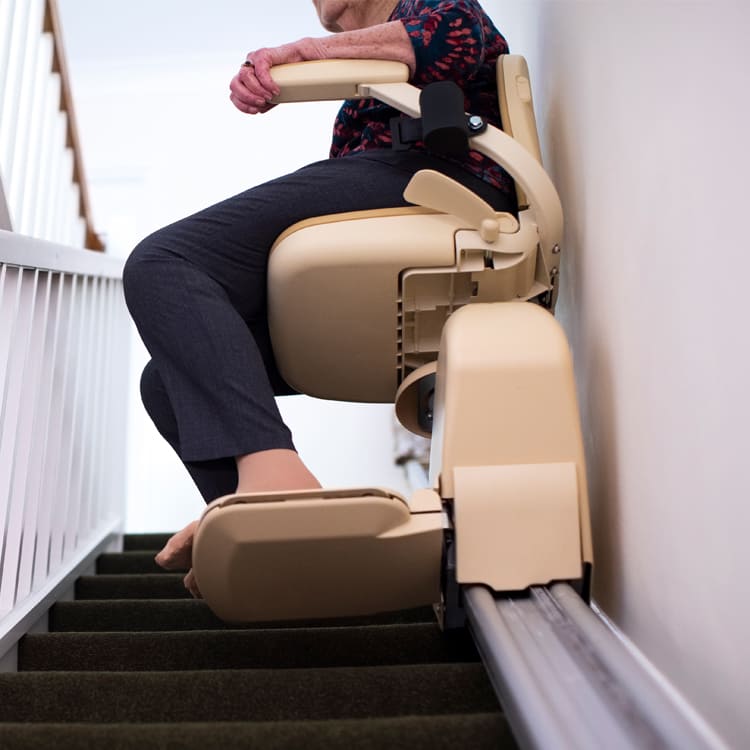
[152, 387]
[145, 269]
[157, 404]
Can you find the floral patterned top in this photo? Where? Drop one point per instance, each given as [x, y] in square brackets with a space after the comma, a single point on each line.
[453, 40]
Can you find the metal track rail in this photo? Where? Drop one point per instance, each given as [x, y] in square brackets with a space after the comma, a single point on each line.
[565, 680]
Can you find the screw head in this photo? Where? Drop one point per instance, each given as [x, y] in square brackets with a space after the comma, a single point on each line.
[476, 122]
[556, 249]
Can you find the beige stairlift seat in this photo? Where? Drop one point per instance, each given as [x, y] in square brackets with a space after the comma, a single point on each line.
[374, 288]
[364, 307]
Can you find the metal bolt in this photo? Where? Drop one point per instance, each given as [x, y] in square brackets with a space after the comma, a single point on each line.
[476, 123]
[556, 249]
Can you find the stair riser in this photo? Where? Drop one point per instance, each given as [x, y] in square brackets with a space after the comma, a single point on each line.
[475, 731]
[189, 614]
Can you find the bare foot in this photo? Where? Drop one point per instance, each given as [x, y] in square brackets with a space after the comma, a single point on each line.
[178, 551]
[273, 470]
[191, 584]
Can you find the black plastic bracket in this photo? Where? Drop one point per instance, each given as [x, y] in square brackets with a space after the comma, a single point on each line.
[452, 615]
[444, 126]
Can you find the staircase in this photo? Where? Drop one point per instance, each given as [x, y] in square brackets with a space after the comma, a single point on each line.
[134, 662]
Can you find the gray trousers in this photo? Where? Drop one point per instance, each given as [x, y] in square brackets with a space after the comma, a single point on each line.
[196, 290]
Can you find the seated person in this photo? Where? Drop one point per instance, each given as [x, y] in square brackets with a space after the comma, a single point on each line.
[197, 288]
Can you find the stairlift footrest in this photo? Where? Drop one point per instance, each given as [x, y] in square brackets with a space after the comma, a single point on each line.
[317, 554]
[517, 525]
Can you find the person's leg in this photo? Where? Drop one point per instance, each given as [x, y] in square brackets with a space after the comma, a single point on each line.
[197, 292]
[197, 288]
[213, 478]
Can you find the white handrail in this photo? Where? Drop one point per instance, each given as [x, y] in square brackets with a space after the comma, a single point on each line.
[63, 372]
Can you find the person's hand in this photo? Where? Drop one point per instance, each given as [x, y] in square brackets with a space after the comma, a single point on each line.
[191, 585]
[253, 88]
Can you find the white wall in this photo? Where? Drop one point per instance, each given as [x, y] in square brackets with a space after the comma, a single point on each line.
[644, 111]
[162, 140]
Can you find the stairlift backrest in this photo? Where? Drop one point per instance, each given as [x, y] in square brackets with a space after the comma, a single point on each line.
[517, 108]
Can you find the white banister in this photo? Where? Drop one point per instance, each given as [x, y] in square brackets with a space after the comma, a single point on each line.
[31, 161]
[63, 370]
[42, 187]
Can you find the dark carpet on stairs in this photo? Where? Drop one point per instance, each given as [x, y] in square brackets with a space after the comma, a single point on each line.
[135, 663]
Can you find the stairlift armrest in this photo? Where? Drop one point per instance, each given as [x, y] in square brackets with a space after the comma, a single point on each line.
[324, 80]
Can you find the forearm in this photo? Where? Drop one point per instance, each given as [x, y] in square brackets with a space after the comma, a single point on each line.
[386, 41]
[253, 88]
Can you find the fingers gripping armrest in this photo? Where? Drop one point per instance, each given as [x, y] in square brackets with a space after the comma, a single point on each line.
[323, 80]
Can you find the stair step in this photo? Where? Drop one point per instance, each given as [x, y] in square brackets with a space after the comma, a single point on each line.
[304, 648]
[135, 662]
[138, 561]
[113, 586]
[133, 615]
[246, 695]
[479, 731]
[152, 542]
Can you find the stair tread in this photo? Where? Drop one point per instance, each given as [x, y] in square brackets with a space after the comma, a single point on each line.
[366, 645]
[244, 695]
[479, 731]
[132, 615]
[136, 662]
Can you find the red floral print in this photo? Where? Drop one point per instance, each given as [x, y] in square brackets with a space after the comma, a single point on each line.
[453, 40]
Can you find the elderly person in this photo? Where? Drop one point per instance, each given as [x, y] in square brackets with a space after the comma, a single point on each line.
[197, 289]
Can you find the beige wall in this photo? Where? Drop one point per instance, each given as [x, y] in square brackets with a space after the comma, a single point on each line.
[645, 118]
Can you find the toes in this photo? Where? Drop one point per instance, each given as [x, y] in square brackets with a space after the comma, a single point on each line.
[178, 551]
[191, 584]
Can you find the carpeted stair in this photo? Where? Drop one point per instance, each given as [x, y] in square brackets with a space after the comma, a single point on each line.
[135, 663]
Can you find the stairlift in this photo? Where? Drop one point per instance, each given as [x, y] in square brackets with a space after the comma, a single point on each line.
[445, 309]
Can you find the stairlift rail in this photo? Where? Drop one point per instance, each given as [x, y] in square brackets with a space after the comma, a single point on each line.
[566, 681]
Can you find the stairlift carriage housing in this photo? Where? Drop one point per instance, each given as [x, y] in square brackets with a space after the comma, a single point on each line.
[375, 306]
